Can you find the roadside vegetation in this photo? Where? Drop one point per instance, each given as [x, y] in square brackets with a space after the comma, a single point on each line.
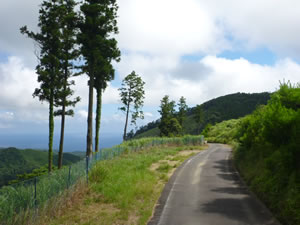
[44, 196]
[125, 189]
[267, 151]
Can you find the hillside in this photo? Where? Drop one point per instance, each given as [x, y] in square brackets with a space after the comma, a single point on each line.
[227, 107]
[15, 161]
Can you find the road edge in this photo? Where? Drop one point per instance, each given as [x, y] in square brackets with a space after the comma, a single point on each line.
[158, 209]
[243, 183]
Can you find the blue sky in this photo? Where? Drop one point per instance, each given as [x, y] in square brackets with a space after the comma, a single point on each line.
[195, 48]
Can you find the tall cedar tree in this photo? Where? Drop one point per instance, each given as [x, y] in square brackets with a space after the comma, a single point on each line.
[132, 92]
[69, 53]
[169, 125]
[106, 74]
[182, 110]
[96, 26]
[48, 69]
[198, 116]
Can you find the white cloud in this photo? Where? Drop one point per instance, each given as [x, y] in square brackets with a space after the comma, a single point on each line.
[154, 36]
[208, 78]
[83, 114]
[7, 116]
[169, 27]
[148, 114]
[17, 83]
[268, 23]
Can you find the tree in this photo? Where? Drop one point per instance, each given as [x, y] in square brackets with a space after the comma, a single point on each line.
[106, 74]
[169, 125]
[198, 116]
[96, 25]
[68, 24]
[182, 110]
[132, 92]
[48, 69]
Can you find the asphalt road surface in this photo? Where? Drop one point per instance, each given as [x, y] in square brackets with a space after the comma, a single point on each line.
[206, 190]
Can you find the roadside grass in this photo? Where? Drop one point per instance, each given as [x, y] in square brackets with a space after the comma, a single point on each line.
[124, 190]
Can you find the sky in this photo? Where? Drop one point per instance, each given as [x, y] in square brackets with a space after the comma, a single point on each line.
[198, 49]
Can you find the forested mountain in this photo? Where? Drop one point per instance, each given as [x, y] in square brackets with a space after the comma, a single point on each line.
[15, 161]
[227, 107]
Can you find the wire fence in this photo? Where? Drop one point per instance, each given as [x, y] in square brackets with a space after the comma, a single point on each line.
[21, 201]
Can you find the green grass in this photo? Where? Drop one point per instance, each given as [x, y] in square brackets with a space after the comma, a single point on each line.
[126, 186]
[17, 202]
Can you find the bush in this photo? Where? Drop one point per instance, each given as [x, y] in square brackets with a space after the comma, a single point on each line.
[269, 152]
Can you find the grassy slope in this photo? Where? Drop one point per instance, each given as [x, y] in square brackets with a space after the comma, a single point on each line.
[124, 190]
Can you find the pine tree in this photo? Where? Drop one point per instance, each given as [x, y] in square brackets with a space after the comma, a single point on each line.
[132, 92]
[182, 110]
[106, 74]
[68, 30]
[48, 69]
[169, 125]
[198, 116]
[97, 25]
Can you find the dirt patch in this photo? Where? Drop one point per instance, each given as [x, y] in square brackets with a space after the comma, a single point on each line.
[155, 166]
[188, 152]
[174, 161]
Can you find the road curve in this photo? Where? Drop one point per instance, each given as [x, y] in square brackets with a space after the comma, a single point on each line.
[206, 190]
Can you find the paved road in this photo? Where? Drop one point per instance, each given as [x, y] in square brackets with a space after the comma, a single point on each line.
[206, 190]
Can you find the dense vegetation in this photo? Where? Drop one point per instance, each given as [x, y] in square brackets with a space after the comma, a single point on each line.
[227, 107]
[268, 153]
[14, 162]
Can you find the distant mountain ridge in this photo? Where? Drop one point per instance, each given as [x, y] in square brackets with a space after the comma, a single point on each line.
[15, 161]
[226, 107]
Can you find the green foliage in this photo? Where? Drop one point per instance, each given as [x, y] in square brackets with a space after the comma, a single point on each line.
[97, 25]
[67, 21]
[224, 132]
[216, 110]
[198, 116]
[269, 153]
[132, 92]
[48, 69]
[267, 150]
[169, 125]
[182, 110]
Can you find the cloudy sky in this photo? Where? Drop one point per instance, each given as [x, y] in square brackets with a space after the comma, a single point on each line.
[198, 49]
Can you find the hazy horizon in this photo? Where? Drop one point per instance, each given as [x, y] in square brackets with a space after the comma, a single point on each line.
[73, 142]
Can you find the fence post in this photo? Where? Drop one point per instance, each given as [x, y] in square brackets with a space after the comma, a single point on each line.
[69, 177]
[35, 200]
[87, 169]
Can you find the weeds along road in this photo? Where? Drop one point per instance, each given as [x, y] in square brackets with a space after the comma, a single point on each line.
[206, 190]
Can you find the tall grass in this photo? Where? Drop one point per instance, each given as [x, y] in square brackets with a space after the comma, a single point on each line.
[21, 202]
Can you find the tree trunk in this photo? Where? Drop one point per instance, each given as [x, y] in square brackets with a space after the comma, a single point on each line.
[89, 141]
[98, 118]
[62, 132]
[126, 122]
[51, 130]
